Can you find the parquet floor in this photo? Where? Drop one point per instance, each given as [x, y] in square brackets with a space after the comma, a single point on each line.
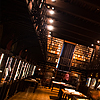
[40, 94]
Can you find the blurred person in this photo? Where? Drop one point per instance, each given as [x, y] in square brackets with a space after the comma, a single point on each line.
[66, 78]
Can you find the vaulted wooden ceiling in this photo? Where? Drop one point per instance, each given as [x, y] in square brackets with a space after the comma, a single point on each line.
[76, 20]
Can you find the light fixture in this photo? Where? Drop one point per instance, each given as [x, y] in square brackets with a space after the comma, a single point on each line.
[98, 41]
[92, 45]
[26, 50]
[49, 35]
[58, 53]
[53, 8]
[49, 32]
[73, 56]
[51, 12]
[0, 71]
[50, 20]
[53, 0]
[1, 58]
[41, 0]
[48, 6]
[78, 55]
[50, 27]
[39, 69]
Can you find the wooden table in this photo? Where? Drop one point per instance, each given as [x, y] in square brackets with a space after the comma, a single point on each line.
[71, 92]
[63, 84]
[32, 81]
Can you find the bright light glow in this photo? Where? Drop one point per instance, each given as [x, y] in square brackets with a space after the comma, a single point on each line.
[98, 41]
[70, 90]
[56, 60]
[92, 45]
[49, 35]
[58, 50]
[58, 53]
[13, 69]
[78, 55]
[40, 5]
[74, 57]
[53, 8]
[17, 70]
[51, 12]
[41, 0]
[33, 70]
[7, 61]
[1, 58]
[49, 32]
[51, 21]
[52, 43]
[0, 71]
[50, 27]
[51, 51]
[48, 6]
[53, 0]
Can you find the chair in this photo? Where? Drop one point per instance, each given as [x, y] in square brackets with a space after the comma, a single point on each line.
[40, 83]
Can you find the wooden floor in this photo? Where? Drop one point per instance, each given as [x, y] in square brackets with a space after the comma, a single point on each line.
[40, 94]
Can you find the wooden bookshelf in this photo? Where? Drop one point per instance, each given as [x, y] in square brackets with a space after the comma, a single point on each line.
[81, 55]
[54, 47]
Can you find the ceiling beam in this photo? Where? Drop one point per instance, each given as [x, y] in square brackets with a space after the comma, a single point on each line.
[75, 11]
[74, 21]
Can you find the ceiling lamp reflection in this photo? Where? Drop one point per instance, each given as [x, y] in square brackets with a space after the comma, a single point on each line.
[92, 45]
[48, 6]
[53, 0]
[50, 20]
[98, 41]
[50, 27]
[53, 8]
[49, 35]
[49, 32]
[51, 12]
